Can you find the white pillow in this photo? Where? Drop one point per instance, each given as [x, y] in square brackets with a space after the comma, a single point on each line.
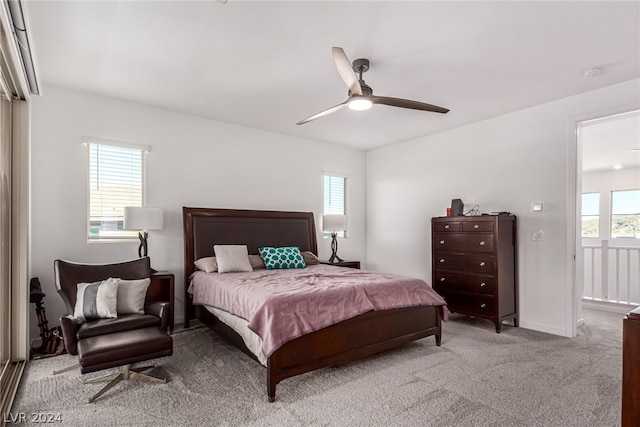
[131, 296]
[208, 264]
[98, 300]
[232, 258]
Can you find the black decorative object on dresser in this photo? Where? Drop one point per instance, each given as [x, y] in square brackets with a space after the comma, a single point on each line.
[474, 265]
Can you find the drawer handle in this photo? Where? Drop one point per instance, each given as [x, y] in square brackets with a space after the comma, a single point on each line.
[441, 259]
[482, 285]
[442, 242]
[482, 264]
[476, 226]
[483, 305]
[442, 279]
[482, 243]
[446, 226]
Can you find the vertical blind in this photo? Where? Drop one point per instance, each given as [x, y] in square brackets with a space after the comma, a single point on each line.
[116, 180]
[335, 197]
[6, 177]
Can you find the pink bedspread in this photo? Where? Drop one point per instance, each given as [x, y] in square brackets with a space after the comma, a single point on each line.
[281, 305]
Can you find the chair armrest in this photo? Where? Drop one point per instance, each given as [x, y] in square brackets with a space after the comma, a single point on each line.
[160, 309]
[69, 329]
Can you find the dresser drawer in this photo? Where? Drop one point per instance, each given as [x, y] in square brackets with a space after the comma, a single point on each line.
[479, 263]
[476, 304]
[448, 226]
[477, 226]
[463, 242]
[449, 281]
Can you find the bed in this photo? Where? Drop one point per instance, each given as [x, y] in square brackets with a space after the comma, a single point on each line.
[356, 337]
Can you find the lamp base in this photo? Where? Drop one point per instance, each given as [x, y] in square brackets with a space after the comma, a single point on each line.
[334, 249]
[335, 258]
[142, 249]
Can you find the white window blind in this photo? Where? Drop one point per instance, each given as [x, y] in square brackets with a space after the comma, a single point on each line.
[116, 180]
[335, 197]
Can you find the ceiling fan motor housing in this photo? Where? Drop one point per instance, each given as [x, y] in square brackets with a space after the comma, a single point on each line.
[361, 66]
[366, 89]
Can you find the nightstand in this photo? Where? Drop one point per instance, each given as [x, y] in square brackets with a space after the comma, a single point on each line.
[348, 264]
[161, 289]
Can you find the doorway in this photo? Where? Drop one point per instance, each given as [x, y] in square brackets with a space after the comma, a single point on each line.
[607, 246]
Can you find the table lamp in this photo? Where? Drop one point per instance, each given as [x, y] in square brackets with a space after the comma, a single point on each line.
[143, 219]
[334, 224]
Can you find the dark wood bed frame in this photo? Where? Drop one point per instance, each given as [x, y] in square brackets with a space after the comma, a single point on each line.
[349, 340]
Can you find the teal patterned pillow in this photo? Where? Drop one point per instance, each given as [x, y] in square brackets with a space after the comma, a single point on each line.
[280, 258]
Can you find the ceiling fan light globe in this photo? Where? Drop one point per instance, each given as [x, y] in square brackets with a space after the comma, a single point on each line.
[360, 103]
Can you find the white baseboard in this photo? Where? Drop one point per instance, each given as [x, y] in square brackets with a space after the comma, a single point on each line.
[610, 307]
[621, 309]
[544, 328]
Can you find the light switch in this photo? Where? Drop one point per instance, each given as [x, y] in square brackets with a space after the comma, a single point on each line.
[537, 207]
[538, 235]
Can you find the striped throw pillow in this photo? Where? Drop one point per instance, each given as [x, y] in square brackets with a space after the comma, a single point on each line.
[97, 300]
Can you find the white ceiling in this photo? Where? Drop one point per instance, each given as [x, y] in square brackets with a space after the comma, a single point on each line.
[268, 65]
[611, 142]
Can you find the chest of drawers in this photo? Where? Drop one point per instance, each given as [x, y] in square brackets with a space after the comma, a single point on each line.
[474, 265]
[631, 369]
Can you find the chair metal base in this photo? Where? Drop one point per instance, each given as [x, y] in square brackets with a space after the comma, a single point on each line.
[68, 368]
[125, 373]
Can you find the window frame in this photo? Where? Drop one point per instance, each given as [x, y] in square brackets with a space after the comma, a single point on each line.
[598, 217]
[612, 214]
[125, 237]
[345, 180]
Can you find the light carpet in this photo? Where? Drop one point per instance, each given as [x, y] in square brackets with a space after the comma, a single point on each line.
[476, 378]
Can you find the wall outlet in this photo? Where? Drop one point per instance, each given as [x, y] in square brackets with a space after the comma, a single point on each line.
[537, 235]
[537, 207]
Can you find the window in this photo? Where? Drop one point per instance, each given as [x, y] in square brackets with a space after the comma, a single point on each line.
[116, 180]
[591, 215]
[625, 214]
[335, 198]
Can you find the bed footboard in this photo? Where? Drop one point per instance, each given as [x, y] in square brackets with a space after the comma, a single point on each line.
[351, 339]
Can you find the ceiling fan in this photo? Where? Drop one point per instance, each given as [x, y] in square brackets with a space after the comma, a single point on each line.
[360, 94]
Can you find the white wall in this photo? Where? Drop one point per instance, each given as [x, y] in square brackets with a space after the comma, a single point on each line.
[502, 164]
[193, 162]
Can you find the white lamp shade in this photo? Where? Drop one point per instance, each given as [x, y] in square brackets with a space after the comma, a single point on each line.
[334, 222]
[142, 218]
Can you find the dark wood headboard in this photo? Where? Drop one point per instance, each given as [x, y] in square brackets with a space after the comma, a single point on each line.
[204, 228]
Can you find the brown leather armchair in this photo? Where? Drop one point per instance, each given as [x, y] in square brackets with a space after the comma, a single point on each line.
[117, 342]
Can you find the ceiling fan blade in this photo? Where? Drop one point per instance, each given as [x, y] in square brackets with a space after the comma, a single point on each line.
[324, 113]
[346, 71]
[407, 103]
